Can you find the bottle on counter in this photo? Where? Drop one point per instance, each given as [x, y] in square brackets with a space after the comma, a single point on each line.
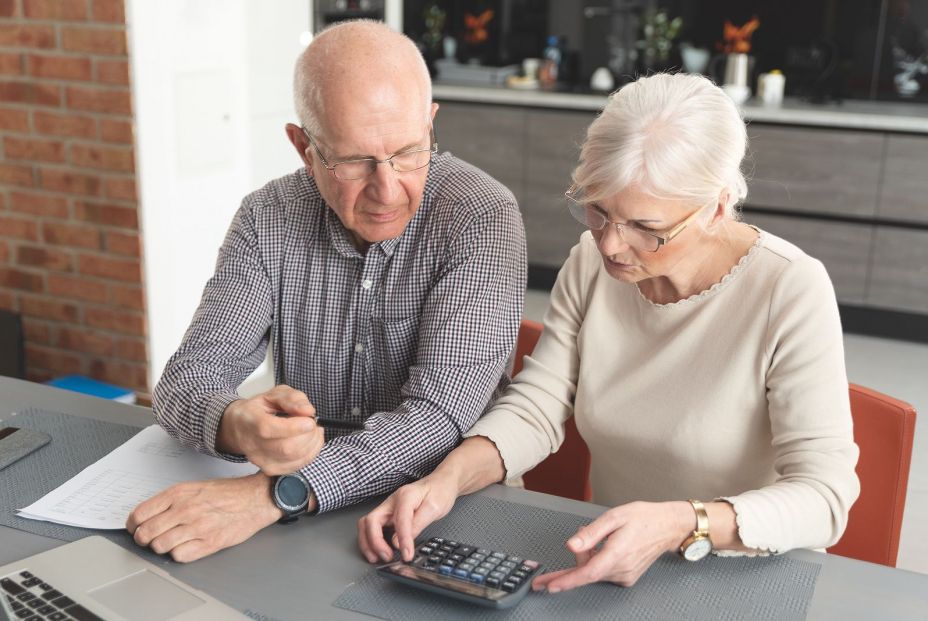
[550, 64]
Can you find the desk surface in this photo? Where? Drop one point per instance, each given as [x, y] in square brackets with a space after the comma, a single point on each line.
[307, 565]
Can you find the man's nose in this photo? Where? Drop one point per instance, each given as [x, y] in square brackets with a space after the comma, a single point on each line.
[384, 184]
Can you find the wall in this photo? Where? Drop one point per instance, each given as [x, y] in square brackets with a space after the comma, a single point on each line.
[69, 219]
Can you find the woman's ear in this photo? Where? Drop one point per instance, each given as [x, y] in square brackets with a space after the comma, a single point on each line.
[720, 213]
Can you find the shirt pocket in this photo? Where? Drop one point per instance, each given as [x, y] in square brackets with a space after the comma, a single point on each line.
[394, 343]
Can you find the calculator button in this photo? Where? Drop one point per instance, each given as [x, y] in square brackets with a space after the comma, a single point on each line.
[531, 564]
[46, 609]
[526, 569]
[465, 550]
[515, 559]
[477, 578]
[52, 594]
[31, 582]
[426, 550]
[436, 540]
[509, 586]
[481, 570]
[488, 566]
[519, 574]
[514, 579]
[492, 582]
[497, 574]
[468, 567]
[45, 586]
[447, 548]
[445, 570]
[25, 574]
[478, 558]
[461, 573]
[508, 564]
[498, 555]
[456, 558]
[435, 560]
[483, 551]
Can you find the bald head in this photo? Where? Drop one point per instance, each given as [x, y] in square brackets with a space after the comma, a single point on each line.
[354, 65]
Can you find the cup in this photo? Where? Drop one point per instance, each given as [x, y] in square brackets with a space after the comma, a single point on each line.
[770, 87]
[530, 67]
[736, 70]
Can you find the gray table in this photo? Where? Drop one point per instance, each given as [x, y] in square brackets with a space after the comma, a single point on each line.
[297, 571]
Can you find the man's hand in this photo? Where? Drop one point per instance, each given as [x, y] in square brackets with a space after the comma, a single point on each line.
[276, 444]
[409, 510]
[193, 520]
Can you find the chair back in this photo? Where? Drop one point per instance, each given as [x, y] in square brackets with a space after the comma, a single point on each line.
[883, 429]
[566, 473]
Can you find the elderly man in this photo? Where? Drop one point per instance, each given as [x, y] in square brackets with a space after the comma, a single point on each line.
[388, 280]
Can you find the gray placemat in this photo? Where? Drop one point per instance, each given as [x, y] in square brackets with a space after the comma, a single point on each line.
[715, 588]
[76, 443]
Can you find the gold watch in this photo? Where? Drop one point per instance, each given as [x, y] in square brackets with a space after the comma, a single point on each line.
[698, 545]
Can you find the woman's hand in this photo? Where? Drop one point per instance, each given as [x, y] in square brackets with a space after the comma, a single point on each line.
[621, 544]
[409, 510]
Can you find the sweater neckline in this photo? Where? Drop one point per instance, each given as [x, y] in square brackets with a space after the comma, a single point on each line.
[732, 274]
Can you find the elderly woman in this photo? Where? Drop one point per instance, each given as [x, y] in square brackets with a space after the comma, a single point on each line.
[701, 358]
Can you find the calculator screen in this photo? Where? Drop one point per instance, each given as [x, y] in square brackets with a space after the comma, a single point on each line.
[407, 571]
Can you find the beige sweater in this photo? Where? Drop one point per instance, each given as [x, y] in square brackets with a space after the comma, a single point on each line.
[738, 393]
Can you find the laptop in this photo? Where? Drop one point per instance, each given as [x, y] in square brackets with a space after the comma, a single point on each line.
[93, 579]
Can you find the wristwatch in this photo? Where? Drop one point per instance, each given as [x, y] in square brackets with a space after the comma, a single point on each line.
[698, 545]
[291, 494]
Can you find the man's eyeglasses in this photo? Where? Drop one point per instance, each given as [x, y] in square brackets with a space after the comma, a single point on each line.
[638, 238]
[406, 161]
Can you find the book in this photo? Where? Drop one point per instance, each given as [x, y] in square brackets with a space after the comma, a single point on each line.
[96, 388]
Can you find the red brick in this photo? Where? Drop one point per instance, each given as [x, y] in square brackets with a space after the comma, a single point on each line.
[36, 331]
[38, 376]
[127, 322]
[65, 125]
[9, 8]
[11, 64]
[113, 72]
[105, 158]
[94, 40]
[39, 204]
[112, 11]
[25, 149]
[30, 93]
[126, 270]
[48, 258]
[21, 35]
[58, 10]
[8, 301]
[70, 182]
[15, 120]
[120, 243]
[116, 131]
[127, 296]
[86, 341]
[4, 251]
[19, 228]
[112, 215]
[60, 67]
[123, 189]
[19, 279]
[134, 376]
[56, 361]
[77, 288]
[71, 235]
[50, 308]
[108, 101]
[132, 349]
[16, 175]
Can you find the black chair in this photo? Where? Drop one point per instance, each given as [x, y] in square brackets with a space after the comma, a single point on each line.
[12, 356]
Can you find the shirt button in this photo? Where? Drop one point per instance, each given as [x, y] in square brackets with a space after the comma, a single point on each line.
[355, 411]
[367, 283]
[359, 347]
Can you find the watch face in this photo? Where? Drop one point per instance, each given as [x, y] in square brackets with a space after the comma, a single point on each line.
[291, 492]
[698, 549]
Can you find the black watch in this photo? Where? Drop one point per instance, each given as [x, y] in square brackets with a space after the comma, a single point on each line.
[291, 495]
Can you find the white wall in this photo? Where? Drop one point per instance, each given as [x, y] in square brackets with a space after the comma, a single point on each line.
[212, 91]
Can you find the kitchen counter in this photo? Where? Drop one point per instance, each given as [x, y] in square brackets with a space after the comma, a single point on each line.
[851, 114]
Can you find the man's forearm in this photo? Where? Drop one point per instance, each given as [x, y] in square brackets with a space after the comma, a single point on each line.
[226, 440]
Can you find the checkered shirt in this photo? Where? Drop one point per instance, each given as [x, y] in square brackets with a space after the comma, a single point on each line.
[408, 342]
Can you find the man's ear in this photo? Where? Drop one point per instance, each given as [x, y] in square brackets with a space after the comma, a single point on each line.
[434, 111]
[300, 143]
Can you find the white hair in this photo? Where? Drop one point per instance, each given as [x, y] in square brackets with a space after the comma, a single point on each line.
[328, 53]
[674, 136]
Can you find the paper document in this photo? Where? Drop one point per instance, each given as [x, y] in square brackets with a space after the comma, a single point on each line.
[104, 494]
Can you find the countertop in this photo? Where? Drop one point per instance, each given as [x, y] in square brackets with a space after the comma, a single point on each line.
[850, 114]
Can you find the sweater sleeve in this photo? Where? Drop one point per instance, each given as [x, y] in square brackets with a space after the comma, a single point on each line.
[810, 417]
[527, 423]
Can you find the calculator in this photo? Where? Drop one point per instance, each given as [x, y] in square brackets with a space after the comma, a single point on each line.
[466, 572]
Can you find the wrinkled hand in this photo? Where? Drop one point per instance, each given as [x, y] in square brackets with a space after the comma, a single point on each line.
[621, 544]
[196, 519]
[276, 444]
[409, 510]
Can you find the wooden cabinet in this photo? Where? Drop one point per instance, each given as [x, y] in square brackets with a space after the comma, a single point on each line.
[899, 277]
[904, 191]
[814, 170]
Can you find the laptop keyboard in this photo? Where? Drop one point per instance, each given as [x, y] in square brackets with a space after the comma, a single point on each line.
[32, 599]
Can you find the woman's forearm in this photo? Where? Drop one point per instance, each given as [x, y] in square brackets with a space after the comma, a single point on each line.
[472, 466]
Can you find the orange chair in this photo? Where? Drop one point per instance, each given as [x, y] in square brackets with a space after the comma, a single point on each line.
[883, 429]
[567, 472]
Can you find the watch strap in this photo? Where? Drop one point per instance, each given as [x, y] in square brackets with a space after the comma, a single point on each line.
[702, 517]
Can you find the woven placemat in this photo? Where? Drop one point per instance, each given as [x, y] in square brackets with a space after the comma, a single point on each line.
[775, 587]
[76, 443]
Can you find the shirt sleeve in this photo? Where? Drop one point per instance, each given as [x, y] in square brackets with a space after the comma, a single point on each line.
[466, 334]
[527, 423]
[225, 342]
[810, 417]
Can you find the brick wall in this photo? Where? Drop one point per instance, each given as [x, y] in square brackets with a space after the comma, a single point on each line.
[70, 248]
